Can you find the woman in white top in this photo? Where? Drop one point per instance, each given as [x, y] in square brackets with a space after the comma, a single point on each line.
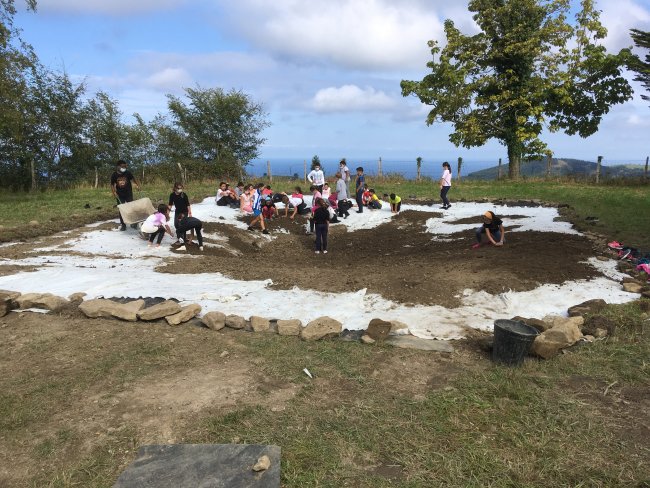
[445, 185]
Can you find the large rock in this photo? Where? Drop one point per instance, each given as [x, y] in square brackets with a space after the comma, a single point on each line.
[398, 327]
[537, 324]
[77, 297]
[556, 320]
[159, 311]
[100, 307]
[548, 344]
[289, 327]
[41, 300]
[214, 320]
[187, 312]
[260, 324]
[7, 302]
[235, 322]
[633, 287]
[321, 328]
[378, 329]
[588, 307]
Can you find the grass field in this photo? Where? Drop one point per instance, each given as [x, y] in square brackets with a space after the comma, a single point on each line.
[623, 211]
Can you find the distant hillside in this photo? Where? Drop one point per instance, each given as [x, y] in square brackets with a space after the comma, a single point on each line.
[562, 167]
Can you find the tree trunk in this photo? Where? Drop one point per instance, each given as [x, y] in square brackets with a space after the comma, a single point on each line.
[33, 170]
[96, 177]
[514, 160]
[499, 174]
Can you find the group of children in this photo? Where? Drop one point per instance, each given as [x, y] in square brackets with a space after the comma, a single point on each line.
[327, 207]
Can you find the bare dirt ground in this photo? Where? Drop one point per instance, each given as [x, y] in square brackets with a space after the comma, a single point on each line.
[397, 260]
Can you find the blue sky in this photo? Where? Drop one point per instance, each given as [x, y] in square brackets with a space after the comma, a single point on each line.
[327, 73]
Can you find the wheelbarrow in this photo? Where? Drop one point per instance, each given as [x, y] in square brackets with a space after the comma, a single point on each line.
[136, 211]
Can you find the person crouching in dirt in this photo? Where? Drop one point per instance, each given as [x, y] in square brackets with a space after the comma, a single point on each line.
[186, 224]
[493, 228]
[268, 209]
[156, 225]
[395, 202]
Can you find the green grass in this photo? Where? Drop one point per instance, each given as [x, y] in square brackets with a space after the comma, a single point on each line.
[623, 210]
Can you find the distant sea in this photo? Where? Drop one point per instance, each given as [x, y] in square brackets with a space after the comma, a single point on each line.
[405, 167]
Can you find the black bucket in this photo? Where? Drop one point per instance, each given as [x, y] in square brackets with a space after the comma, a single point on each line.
[512, 341]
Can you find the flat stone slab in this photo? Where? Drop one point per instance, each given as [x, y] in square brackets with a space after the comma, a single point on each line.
[201, 465]
[411, 342]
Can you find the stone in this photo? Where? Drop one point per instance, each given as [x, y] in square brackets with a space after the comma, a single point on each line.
[100, 307]
[262, 464]
[33, 222]
[77, 297]
[537, 324]
[378, 329]
[214, 320]
[7, 301]
[41, 300]
[549, 343]
[205, 465]
[598, 322]
[397, 326]
[11, 295]
[645, 294]
[260, 324]
[633, 287]
[366, 339]
[289, 327]
[600, 333]
[557, 320]
[159, 311]
[412, 342]
[588, 307]
[235, 322]
[321, 328]
[187, 312]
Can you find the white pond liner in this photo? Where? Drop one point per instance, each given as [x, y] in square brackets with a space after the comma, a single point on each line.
[119, 264]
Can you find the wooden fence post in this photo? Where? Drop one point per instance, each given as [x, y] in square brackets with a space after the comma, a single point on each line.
[460, 165]
[268, 171]
[499, 172]
[182, 173]
[549, 161]
[96, 177]
[380, 174]
[598, 164]
[304, 162]
[418, 160]
[645, 172]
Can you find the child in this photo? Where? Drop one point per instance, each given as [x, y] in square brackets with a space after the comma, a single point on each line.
[365, 196]
[268, 209]
[156, 225]
[239, 189]
[188, 223]
[445, 185]
[359, 186]
[181, 203]
[266, 191]
[245, 200]
[493, 228]
[326, 191]
[295, 201]
[257, 210]
[322, 222]
[395, 203]
[225, 196]
[374, 202]
[316, 196]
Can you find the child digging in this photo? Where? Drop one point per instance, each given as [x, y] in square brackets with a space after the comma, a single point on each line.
[156, 225]
[493, 228]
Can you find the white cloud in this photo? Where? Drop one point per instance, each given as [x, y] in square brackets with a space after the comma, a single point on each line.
[351, 98]
[108, 7]
[354, 34]
[169, 79]
[619, 16]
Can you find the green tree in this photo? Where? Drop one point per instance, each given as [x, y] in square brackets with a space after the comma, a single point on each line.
[641, 68]
[528, 68]
[17, 61]
[222, 128]
[315, 161]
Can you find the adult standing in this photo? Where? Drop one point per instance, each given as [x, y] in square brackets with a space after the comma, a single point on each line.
[121, 186]
[345, 173]
[342, 196]
[445, 185]
[316, 177]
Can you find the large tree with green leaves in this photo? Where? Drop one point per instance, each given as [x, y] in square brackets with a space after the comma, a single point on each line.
[641, 68]
[223, 127]
[528, 68]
